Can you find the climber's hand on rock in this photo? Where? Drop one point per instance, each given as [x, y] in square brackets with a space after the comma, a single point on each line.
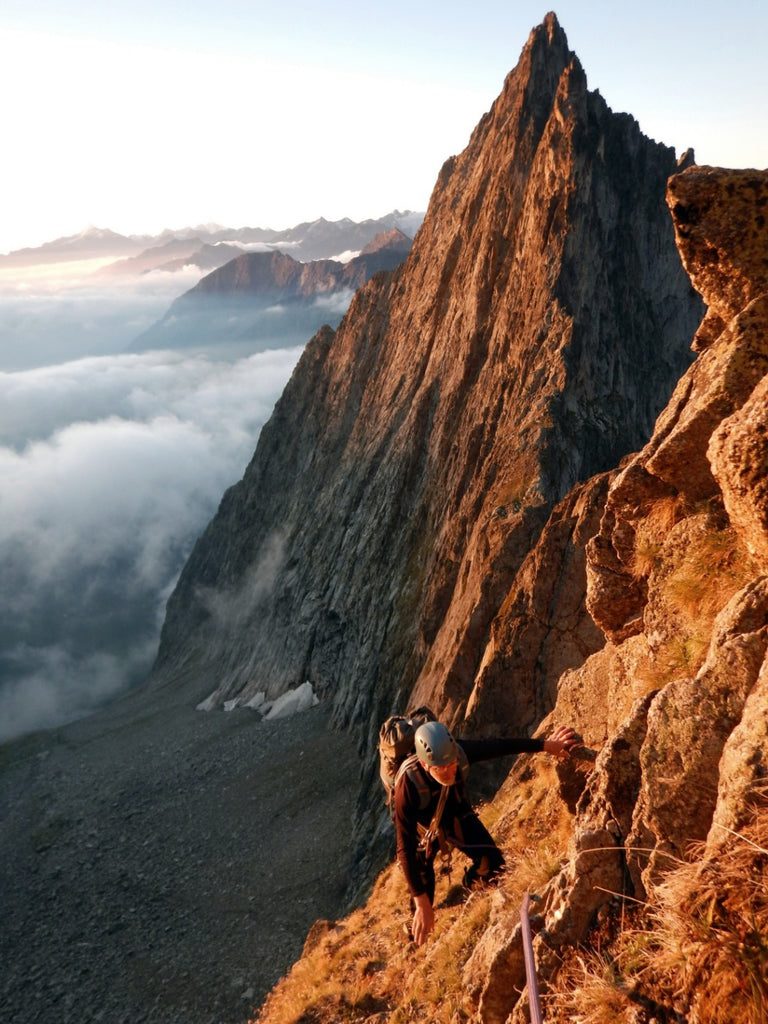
[561, 742]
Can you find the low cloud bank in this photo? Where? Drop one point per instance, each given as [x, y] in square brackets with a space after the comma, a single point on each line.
[61, 312]
[111, 467]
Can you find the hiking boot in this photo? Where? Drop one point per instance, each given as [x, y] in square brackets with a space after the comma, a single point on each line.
[472, 879]
[456, 895]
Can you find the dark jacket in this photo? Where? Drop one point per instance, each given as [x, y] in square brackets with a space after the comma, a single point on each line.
[409, 814]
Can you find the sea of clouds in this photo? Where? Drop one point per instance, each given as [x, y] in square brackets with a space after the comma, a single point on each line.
[57, 313]
[111, 465]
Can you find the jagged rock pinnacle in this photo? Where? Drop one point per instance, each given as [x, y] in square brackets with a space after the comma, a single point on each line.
[529, 340]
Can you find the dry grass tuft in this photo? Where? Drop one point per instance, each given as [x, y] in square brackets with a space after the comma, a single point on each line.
[697, 953]
[693, 582]
[438, 976]
[714, 563]
[678, 655]
[590, 990]
[710, 936]
[651, 531]
[714, 566]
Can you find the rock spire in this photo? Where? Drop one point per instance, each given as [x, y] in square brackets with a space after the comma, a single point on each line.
[528, 342]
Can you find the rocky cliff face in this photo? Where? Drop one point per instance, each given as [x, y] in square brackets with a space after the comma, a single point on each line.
[657, 908]
[675, 702]
[683, 537]
[381, 543]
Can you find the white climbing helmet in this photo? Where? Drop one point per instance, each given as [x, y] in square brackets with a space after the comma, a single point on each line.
[434, 745]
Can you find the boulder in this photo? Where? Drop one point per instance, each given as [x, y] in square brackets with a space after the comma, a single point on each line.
[738, 453]
[720, 228]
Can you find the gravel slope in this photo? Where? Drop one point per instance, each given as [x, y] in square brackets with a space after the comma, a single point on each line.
[160, 864]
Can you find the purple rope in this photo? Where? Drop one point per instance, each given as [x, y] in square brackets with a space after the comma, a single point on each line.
[530, 963]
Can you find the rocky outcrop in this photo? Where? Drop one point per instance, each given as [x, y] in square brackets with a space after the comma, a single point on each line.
[677, 580]
[720, 229]
[738, 450]
[713, 404]
[743, 768]
[393, 240]
[379, 544]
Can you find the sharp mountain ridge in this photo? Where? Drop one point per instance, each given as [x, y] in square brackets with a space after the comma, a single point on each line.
[528, 341]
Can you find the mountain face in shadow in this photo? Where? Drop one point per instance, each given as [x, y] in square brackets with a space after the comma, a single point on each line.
[267, 300]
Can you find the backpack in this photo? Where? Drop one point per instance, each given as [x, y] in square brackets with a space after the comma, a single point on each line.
[397, 755]
[396, 746]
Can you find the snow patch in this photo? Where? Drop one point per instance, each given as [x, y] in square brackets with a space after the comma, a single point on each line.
[287, 704]
[208, 704]
[290, 703]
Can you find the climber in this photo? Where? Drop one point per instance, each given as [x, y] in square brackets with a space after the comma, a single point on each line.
[433, 813]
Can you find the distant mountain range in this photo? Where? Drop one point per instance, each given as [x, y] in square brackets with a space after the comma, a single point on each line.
[210, 246]
[93, 243]
[269, 299]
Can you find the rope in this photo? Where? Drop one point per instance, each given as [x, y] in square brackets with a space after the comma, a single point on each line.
[530, 963]
[429, 835]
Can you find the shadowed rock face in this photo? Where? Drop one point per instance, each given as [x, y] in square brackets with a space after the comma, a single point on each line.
[528, 342]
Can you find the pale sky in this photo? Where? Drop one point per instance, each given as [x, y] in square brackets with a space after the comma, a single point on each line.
[168, 113]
